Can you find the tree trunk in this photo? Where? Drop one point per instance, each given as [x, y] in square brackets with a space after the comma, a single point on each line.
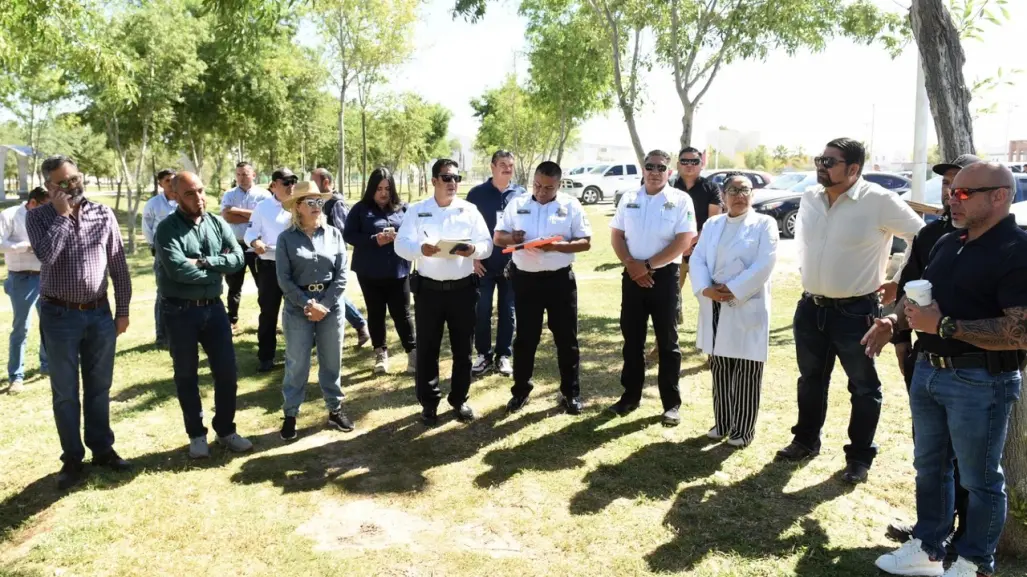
[342, 132]
[943, 59]
[363, 143]
[1014, 462]
[625, 95]
[687, 123]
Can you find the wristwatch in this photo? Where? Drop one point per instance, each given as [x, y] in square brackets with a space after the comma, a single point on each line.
[648, 266]
[946, 327]
[201, 262]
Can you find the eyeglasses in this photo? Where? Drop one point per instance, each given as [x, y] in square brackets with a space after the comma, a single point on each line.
[689, 161]
[69, 183]
[827, 162]
[963, 194]
[655, 167]
[314, 202]
[738, 190]
[289, 181]
[450, 177]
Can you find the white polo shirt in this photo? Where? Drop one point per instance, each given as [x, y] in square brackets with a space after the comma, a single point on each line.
[651, 221]
[562, 216]
[268, 221]
[427, 222]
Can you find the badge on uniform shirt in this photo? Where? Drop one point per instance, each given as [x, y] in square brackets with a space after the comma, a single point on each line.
[668, 205]
[420, 214]
[523, 211]
[561, 211]
[632, 205]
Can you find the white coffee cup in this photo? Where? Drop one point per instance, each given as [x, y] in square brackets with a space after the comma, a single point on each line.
[919, 292]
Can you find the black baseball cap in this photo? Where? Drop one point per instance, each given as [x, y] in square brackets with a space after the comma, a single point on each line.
[962, 161]
[285, 175]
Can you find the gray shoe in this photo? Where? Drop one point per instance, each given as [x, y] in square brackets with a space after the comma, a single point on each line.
[381, 361]
[412, 362]
[198, 448]
[235, 443]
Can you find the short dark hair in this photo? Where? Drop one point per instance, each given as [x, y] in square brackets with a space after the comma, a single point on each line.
[549, 168]
[441, 163]
[501, 154]
[852, 151]
[38, 194]
[376, 178]
[166, 173]
[54, 162]
[690, 150]
[732, 174]
[243, 164]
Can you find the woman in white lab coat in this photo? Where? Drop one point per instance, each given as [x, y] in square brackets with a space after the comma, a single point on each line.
[730, 270]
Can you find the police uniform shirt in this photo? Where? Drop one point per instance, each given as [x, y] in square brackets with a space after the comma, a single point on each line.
[561, 216]
[650, 222]
[976, 279]
[427, 222]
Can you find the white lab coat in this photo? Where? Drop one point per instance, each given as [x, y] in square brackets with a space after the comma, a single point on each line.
[745, 267]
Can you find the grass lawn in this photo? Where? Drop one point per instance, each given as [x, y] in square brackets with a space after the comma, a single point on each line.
[540, 493]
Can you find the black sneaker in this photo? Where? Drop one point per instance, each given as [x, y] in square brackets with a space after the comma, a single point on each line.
[516, 404]
[112, 461]
[464, 413]
[288, 429]
[622, 408]
[266, 366]
[430, 417]
[795, 452]
[855, 473]
[340, 421]
[574, 405]
[71, 474]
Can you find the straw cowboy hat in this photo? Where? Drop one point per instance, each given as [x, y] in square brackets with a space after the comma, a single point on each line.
[304, 189]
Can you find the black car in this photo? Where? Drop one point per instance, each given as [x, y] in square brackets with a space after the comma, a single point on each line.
[781, 199]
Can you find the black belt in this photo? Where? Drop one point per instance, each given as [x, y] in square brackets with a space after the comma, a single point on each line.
[447, 285]
[192, 302]
[822, 301]
[90, 306]
[542, 273]
[994, 361]
[25, 272]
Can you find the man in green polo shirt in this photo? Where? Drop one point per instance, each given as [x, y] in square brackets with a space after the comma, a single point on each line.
[196, 249]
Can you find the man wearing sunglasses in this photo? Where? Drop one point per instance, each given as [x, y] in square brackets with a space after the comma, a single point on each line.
[445, 286]
[78, 243]
[269, 219]
[236, 208]
[967, 377]
[154, 211]
[650, 230]
[844, 234]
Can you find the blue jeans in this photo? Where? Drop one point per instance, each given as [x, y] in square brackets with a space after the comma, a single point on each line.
[189, 327]
[353, 316]
[822, 335]
[80, 340]
[961, 414]
[158, 311]
[301, 334]
[505, 312]
[24, 292]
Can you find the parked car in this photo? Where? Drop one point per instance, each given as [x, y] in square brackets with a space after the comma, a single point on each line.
[783, 203]
[580, 169]
[758, 178]
[890, 180]
[601, 182]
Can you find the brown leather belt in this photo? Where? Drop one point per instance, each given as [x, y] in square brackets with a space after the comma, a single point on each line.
[90, 306]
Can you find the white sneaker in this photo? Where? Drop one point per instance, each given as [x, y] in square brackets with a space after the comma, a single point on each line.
[911, 559]
[737, 443]
[412, 362]
[715, 434]
[962, 568]
[17, 386]
[381, 361]
[481, 364]
[198, 448]
[235, 443]
[505, 367]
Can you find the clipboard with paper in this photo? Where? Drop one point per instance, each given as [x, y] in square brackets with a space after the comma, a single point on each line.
[532, 243]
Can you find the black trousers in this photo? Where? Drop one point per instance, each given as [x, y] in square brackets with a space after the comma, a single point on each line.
[962, 495]
[554, 293]
[660, 302]
[235, 282]
[392, 294]
[269, 297]
[433, 311]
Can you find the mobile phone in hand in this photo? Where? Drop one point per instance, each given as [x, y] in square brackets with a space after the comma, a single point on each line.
[459, 248]
[389, 230]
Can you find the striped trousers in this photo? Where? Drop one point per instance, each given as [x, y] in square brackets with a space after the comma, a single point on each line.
[736, 391]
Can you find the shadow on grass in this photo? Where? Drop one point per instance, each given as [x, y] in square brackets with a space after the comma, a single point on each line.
[608, 266]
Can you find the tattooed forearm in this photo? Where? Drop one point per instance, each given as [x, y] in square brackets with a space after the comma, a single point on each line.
[1008, 333]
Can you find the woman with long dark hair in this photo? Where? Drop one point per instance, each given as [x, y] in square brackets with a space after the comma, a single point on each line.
[371, 227]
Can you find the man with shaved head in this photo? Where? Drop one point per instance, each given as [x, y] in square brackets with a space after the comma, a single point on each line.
[973, 336]
[196, 250]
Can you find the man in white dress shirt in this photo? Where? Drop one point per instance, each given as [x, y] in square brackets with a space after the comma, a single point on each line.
[268, 221]
[543, 281]
[236, 208]
[155, 210]
[844, 234]
[445, 286]
[22, 285]
[650, 230]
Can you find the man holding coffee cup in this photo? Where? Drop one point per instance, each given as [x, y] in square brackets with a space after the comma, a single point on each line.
[967, 376]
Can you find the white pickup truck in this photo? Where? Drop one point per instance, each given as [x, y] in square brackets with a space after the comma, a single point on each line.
[601, 182]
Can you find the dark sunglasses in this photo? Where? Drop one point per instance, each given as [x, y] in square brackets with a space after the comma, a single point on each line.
[689, 161]
[450, 177]
[964, 194]
[827, 161]
[314, 202]
[655, 167]
[742, 190]
[289, 180]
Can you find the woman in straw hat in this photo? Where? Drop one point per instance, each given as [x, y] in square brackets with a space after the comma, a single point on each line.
[311, 265]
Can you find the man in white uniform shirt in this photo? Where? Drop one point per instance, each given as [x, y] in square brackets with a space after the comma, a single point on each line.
[844, 234]
[543, 281]
[650, 230]
[22, 285]
[445, 286]
[236, 208]
[268, 221]
[155, 210]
